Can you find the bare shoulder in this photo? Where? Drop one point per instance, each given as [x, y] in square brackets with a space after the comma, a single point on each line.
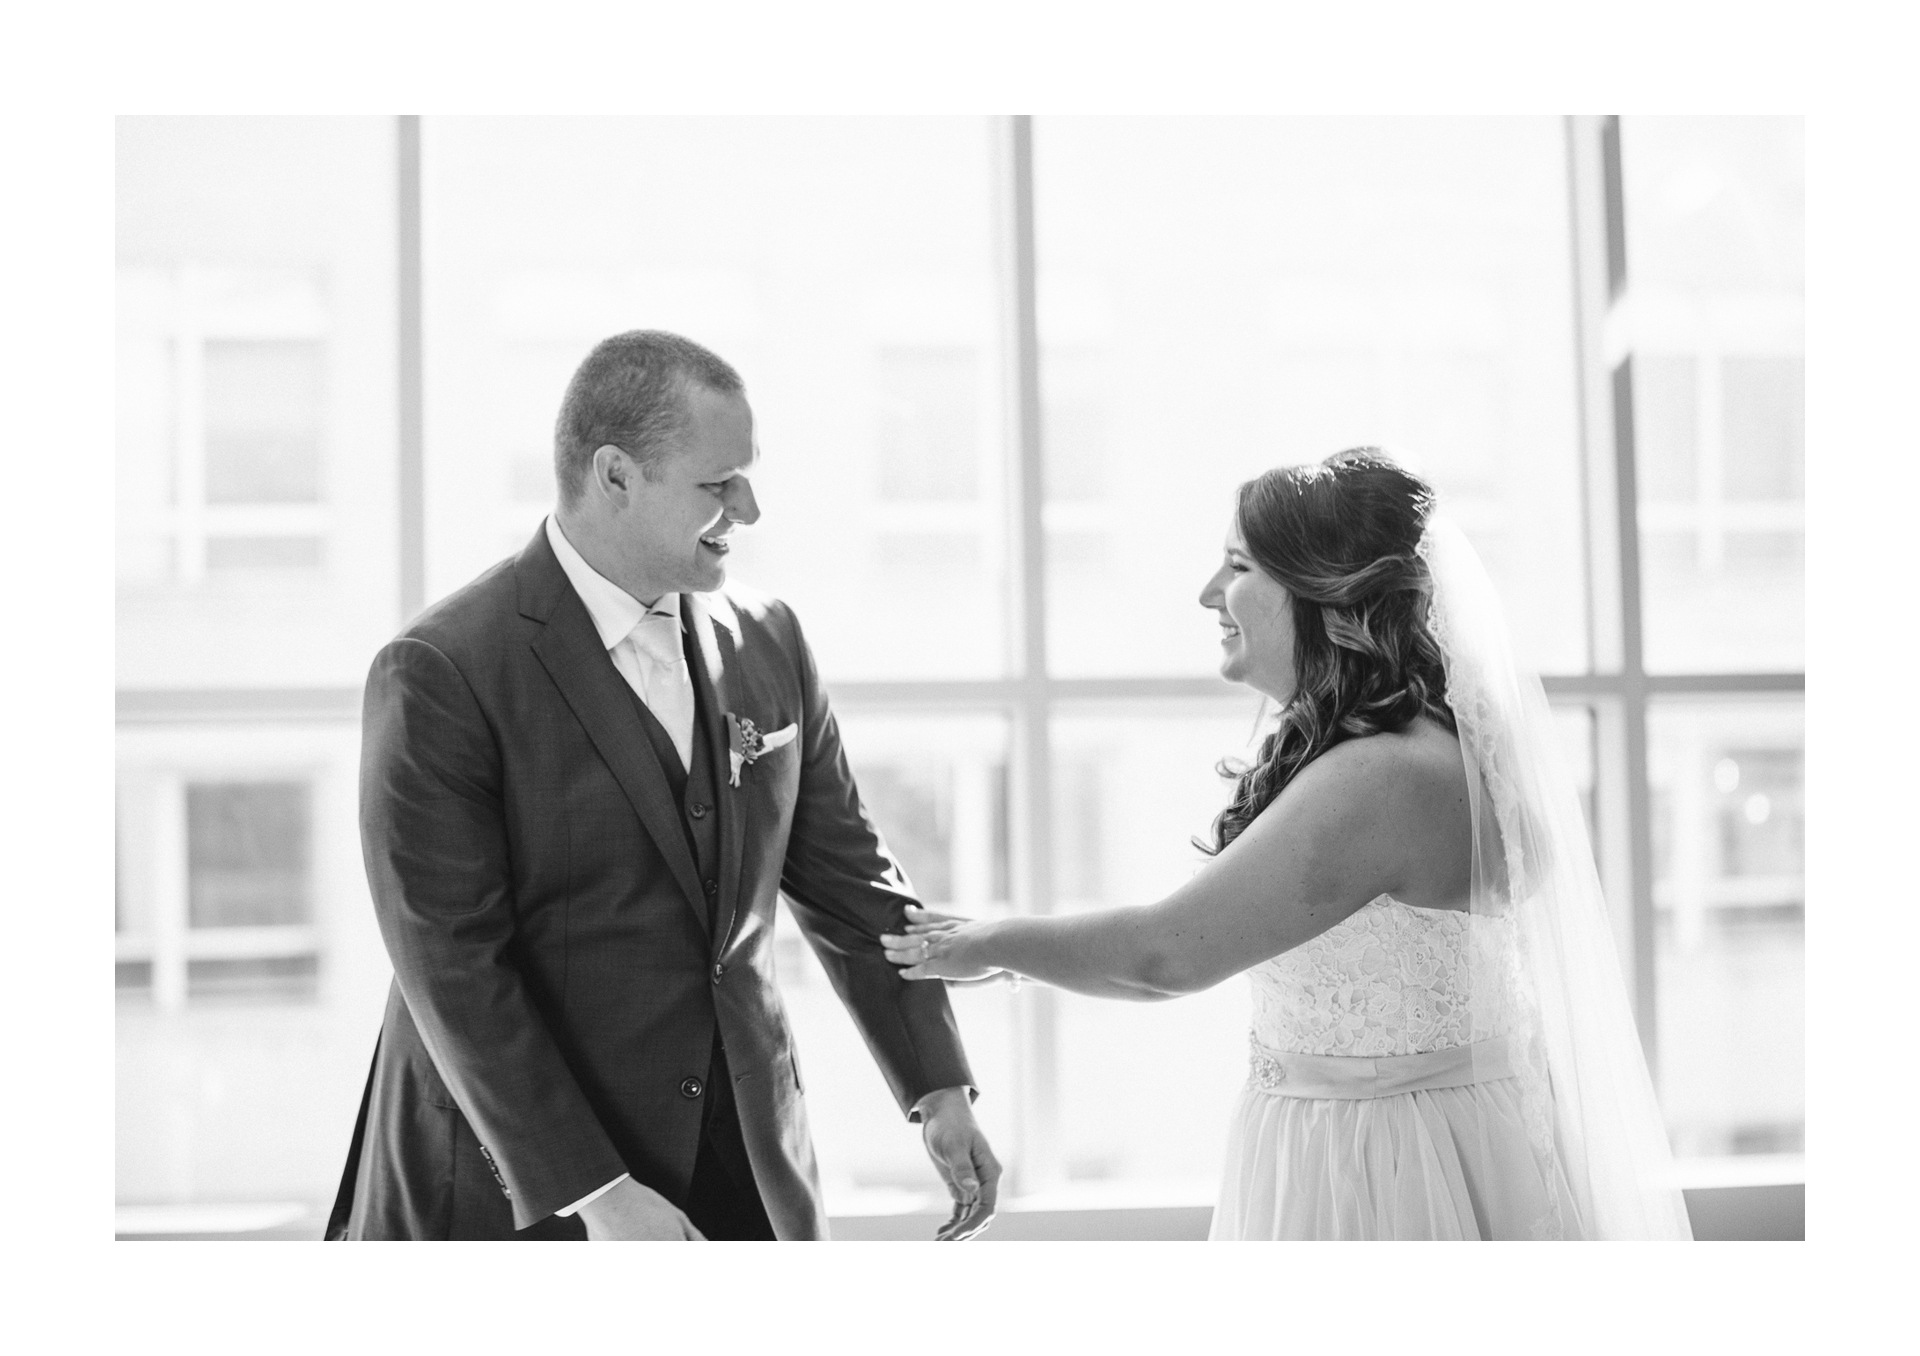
[1401, 801]
[1394, 772]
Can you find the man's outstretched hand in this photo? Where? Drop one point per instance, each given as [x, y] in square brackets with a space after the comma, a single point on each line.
[964, 1160]
[632, 1211]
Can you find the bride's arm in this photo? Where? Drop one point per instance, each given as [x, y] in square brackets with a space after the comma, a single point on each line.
[1352, 825]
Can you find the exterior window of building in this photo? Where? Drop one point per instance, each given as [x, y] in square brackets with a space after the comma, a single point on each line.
[1730, 896]
[1713, 304]
[1715, 267]
[236, 413]
[248, 853]
[257, 562]
[227, 904]
[929, 408]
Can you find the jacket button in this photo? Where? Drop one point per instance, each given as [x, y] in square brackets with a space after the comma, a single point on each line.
[697, 810]
[712, 887]
[718, 971]
[691, 1088]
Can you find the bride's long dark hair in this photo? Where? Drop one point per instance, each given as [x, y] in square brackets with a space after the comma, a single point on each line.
[1341, 538]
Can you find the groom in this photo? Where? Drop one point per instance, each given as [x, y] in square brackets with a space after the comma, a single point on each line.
[585, 778]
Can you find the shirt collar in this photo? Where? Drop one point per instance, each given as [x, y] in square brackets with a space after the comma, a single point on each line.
[614, 611]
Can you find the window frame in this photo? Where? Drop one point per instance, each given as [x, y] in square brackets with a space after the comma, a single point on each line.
[156, 765]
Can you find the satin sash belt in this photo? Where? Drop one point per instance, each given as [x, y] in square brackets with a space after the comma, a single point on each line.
[1348, 1076]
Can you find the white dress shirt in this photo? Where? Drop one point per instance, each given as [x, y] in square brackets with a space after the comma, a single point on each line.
[643, 642]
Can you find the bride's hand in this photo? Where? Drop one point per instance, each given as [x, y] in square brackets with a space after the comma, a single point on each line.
[937, 946]
[925, 920]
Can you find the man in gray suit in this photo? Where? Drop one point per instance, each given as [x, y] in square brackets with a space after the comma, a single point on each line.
[585, 778]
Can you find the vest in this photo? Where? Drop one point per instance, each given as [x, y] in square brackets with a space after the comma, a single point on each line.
[695, 789]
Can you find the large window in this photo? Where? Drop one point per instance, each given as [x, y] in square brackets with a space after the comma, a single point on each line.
[1219, 296]
[256, 548]
[1715, 279]
[1006, 374]
[1711, 312]
[845, 266]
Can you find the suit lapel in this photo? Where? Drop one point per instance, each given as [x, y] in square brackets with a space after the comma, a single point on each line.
[600, 700]
[711, 619]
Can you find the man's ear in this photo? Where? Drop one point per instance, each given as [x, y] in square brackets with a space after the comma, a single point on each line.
[613, 471]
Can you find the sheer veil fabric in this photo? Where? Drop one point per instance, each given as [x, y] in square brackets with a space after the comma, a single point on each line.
[1586, 1095]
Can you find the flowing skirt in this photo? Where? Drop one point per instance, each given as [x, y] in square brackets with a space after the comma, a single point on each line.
[1413, 1146]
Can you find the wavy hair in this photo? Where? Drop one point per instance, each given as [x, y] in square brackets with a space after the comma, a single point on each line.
[1341, 537]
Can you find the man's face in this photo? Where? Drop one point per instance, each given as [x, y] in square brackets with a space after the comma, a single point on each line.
[671, 530]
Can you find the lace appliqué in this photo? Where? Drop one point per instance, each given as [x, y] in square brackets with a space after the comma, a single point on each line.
[1386, 980]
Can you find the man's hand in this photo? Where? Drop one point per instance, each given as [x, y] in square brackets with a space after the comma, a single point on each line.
[960, 1151]
[630, 1210]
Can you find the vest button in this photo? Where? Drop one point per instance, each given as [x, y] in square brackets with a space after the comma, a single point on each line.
[697, 810]
[691, 1088]
[712, 888]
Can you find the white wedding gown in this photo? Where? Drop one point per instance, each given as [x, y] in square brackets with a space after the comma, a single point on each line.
[1386, 1097]
[1427, 1073]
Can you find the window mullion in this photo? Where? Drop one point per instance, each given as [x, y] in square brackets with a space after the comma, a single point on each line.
[412, 379]
[1621, 800]
[1036, 1153]
[170, 908]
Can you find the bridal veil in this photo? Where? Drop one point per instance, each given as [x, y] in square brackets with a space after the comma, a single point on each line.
[1586, 1093]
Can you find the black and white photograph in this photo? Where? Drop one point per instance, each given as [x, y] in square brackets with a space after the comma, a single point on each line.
[604, 601]
[697, 668]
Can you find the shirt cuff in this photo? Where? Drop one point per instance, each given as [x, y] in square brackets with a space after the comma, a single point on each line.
[916, 1114]
[593, 1196]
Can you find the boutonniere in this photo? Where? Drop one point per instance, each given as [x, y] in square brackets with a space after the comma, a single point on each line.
[745, 743]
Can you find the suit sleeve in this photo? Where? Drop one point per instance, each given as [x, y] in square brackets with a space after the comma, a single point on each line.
[846, 888]
[433, 830]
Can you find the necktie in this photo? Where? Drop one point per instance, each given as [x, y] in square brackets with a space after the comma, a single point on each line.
[663, 664]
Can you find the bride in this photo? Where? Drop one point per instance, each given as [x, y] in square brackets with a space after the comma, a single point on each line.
[1441, 1043]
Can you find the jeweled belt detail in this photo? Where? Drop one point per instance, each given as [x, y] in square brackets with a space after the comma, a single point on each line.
[1268, 1072]
[1353, 1076]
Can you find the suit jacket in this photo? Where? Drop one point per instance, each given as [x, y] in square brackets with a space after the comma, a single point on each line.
[560, 968]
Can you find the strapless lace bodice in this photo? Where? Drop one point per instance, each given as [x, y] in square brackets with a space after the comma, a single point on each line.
[1388, 979]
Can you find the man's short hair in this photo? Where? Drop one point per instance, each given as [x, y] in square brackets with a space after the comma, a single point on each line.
[631, 391]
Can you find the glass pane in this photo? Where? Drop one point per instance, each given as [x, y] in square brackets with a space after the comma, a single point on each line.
[247, 854]
[842, 265]
[1574, 724]
[265, 553]
[1144, 1089]
[1730, 913]
[257, 532]
[937, 787]
[264, 411]
[253, 978]
[1218, 296]
[1715, 211]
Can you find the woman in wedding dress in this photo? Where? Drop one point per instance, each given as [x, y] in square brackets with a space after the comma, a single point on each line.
[1441, 1043]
